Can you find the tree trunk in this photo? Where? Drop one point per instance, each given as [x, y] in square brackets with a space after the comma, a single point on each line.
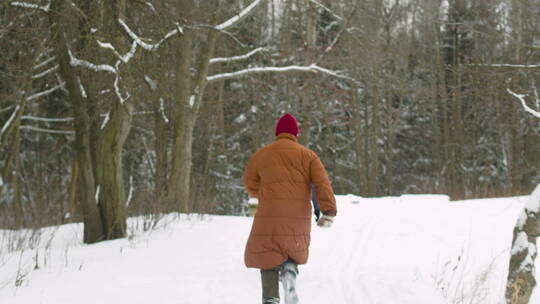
[178, 186]
[12, 163]
[359, 139]
[17, 202]
[11, 170]
[110, 173]
[373, 141]
[307, 96]
[93, 229]
[445, 166]
[521, 273]
[161, 144]
[72, 191]
[457, 131]
[389, 144]
[190, 99]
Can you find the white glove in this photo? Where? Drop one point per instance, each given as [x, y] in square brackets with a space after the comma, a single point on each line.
[325, 221]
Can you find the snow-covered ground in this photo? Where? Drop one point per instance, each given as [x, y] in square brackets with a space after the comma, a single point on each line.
[396, 250]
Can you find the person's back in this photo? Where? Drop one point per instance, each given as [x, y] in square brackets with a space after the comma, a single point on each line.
[280, 175]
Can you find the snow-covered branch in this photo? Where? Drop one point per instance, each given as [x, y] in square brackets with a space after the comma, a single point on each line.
[45, 62]
[39, 75]
[7, 108]
[36, 129]
[9, 121]
[45, 119]
[151, 6]
[81, 88]
[326, 9]
[116, 85]
[45, 8]
[293, 68]
[130, 193]
[46, 92]
[129, 55]
[104, 67]
[147, 46]
[105, 121]
[124, 58]
[162, 110]
[151, 82]
[107, 45]
[236, 58]
[505, 65]
[236, 19]
[75, 62]
[521, 98]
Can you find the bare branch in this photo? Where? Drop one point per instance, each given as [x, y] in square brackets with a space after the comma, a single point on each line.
[236, 58]
[236, 19]
[226, 33]
[521, 98]
[262, 70]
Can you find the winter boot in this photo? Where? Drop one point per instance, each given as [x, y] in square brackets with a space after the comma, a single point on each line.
[270, 285]
[287, 276]
[271, 301]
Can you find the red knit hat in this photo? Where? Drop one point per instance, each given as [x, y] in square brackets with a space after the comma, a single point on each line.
[287, 124]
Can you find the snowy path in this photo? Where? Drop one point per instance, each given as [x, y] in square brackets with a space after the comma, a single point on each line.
[410, 249]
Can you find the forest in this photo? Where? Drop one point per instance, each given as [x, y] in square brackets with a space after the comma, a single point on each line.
[116, 108]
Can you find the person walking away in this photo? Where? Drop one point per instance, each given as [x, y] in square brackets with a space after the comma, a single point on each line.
[280, 175]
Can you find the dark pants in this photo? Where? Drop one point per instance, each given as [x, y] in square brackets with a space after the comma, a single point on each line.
[270, 280]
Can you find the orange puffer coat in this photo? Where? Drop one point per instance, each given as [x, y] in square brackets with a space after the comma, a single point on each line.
[280, 176]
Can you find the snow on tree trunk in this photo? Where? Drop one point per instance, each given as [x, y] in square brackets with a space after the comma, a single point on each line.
[521, 275]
